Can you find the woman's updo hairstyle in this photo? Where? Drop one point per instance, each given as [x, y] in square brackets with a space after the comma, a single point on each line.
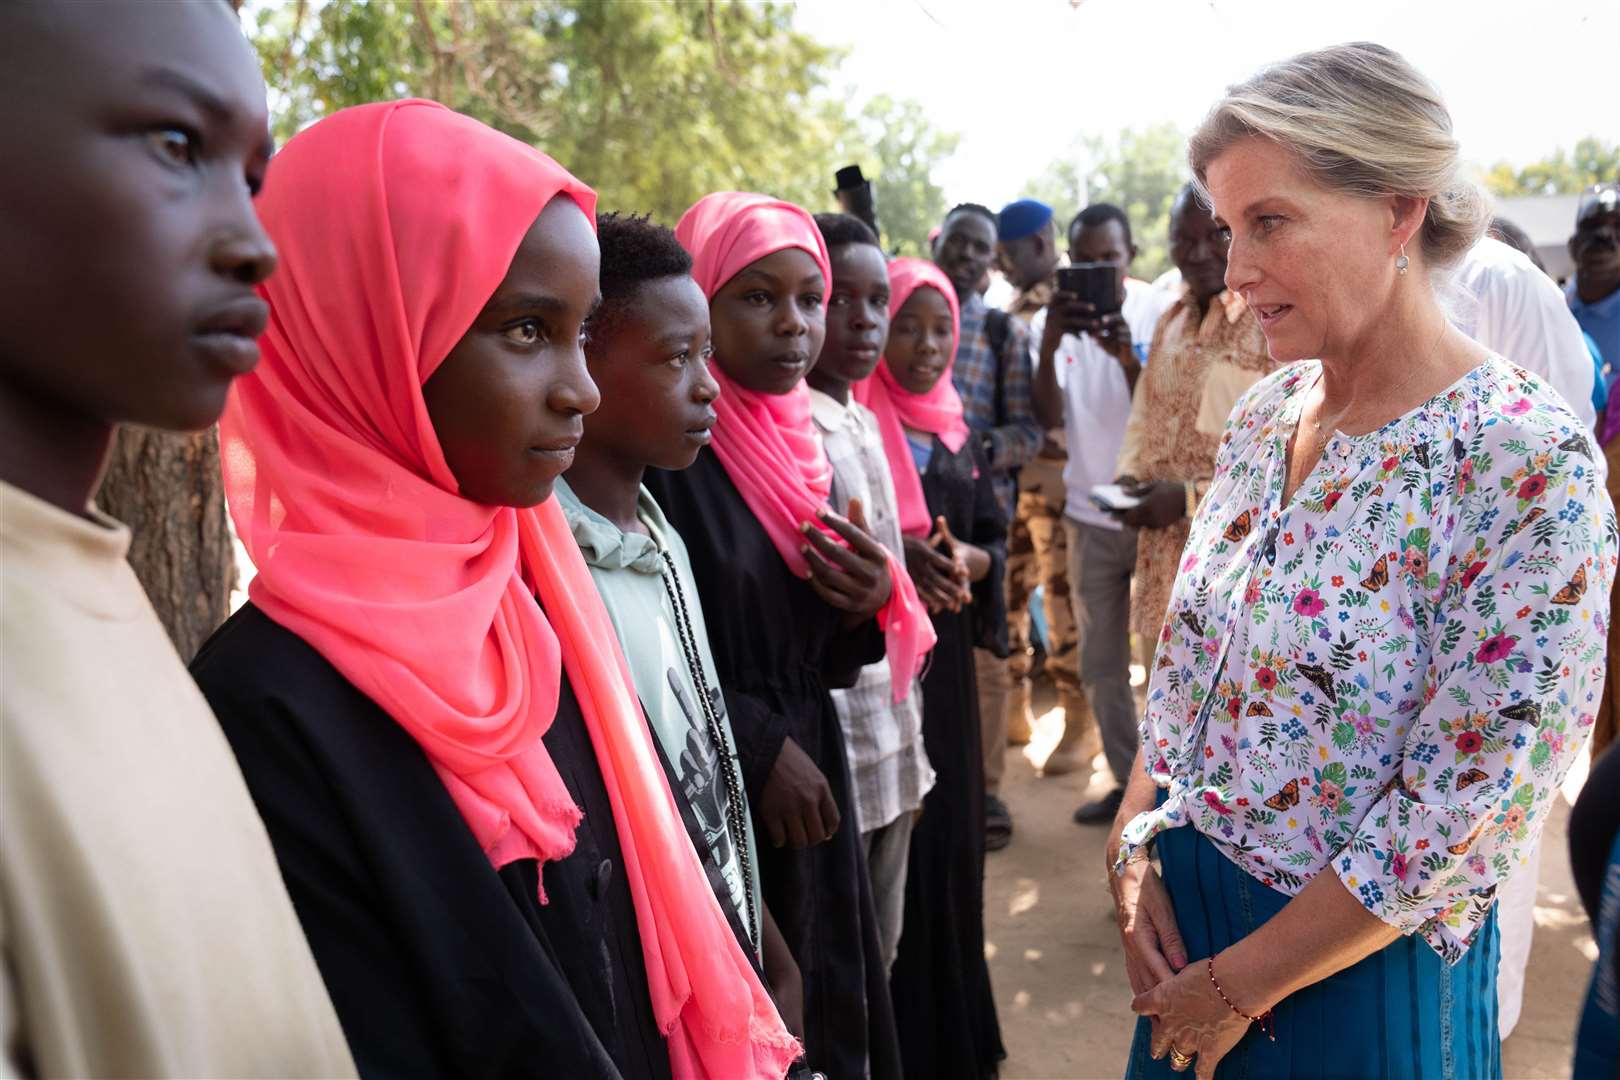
[1363, 121]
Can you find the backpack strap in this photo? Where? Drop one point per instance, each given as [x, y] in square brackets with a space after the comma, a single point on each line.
[998, 328]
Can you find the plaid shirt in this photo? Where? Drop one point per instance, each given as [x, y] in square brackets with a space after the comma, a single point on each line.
[883, 740]
[1017, 437]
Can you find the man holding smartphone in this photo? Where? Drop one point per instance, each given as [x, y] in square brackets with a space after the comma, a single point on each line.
[1089, 345]
[1027, 253]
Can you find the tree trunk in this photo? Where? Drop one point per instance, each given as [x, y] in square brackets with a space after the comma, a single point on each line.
[167, 488]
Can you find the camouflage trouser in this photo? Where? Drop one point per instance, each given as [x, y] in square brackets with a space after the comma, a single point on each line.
[1036, 555]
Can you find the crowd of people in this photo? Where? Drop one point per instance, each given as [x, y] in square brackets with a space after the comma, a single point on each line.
[641, 616]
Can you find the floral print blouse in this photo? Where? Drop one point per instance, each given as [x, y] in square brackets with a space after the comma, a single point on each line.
[1390, 675]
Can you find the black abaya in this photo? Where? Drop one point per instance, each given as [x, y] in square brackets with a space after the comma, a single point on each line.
[438, 965]
[944, 1008]
[778, 647]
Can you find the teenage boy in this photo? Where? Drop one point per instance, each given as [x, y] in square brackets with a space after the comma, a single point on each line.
[648, 351]
[146, 930]
[883, 737]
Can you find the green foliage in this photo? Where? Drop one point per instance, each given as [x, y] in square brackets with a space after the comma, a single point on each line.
[1061, 186]
[1138, 171]
[1593, 161]
[901, 153]
[653, 104]
[665, 103]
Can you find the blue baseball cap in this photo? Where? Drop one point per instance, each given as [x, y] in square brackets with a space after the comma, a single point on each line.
[1021, 218]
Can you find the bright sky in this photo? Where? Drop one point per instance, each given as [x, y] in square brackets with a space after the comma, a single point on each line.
[1018, 79]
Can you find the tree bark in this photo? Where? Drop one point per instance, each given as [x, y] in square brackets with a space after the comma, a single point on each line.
[167, 488]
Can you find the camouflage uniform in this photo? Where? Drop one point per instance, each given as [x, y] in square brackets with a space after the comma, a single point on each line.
[1036, 555]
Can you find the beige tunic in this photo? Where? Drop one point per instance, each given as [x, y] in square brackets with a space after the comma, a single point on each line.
[1196, 371]
[144, 927]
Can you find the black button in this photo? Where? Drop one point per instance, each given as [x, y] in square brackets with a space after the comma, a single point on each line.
[599, 883]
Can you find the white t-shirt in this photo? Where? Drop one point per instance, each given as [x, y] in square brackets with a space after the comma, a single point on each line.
[1096, 399]
[1513, 309]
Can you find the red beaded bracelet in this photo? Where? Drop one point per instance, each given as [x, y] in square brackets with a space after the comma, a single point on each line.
[1266, 1020]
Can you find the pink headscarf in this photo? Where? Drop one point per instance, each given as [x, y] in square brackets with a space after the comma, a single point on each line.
[395, 223]
[939, 411]
[768, 444]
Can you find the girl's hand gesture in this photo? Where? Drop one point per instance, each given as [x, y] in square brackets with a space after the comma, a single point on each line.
[854, 579]
[935, 570]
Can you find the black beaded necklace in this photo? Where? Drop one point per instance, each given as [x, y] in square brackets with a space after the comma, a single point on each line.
[735, 802]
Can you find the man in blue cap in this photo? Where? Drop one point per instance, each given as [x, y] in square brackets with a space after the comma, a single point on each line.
[1027, 254]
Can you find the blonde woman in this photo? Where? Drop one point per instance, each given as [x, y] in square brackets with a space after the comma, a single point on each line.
[1385, 644]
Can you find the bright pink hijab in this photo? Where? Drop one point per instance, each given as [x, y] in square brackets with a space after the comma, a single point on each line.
[939, 411]
[768, 444]
[395, 223]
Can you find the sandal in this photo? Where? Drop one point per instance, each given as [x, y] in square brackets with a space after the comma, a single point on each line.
[998, 824]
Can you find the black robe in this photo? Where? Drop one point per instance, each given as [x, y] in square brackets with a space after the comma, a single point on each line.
[778, 647]
[943, 1004]
[438, 965]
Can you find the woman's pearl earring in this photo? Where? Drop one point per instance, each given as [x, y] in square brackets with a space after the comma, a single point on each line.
[1401, 261]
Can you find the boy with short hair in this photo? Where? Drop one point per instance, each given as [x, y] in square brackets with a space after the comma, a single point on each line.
[648, 350]
[146, 929]
[887, 761]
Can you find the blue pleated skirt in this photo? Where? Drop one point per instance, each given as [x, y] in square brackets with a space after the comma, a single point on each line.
[1401, 1012]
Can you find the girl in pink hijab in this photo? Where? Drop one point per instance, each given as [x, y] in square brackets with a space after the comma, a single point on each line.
[425, 692]
[798, 598]
[944, 1008]
[918, 396]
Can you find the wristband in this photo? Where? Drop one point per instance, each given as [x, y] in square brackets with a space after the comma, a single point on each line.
[1265, 1020]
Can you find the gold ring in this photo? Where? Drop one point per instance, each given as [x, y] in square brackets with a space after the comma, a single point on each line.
[1180, 1060]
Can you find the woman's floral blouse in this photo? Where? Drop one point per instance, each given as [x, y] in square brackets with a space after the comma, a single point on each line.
[1391, 674]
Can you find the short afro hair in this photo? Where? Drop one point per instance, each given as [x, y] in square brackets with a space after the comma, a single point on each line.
[975, 208]
[1100, 214]
[1514, 237]
[841, 229]
[635, 250]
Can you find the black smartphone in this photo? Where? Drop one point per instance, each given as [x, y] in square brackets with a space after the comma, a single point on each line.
[1095, 283]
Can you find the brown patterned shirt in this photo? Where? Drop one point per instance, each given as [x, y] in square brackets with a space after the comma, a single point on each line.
[1026, 302]
[1197, 369]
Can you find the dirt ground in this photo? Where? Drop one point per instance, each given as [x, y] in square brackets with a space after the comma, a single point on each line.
[1054, 952]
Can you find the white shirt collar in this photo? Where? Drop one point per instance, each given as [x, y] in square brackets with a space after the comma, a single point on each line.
[828, 412]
